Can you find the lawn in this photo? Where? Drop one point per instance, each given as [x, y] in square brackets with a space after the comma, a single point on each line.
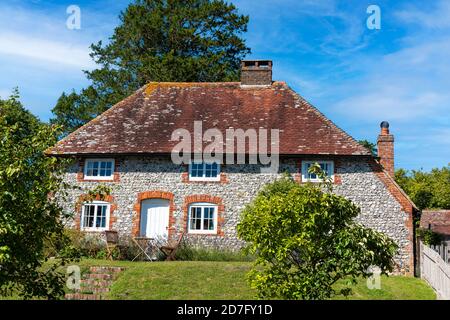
[226, 280]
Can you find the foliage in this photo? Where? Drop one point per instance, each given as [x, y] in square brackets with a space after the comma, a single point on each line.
[29, 216]
[193, 40]
[426, 189]
[305, 240]
[369, 145]
[195, 253]
[429, 237]
[100, 192]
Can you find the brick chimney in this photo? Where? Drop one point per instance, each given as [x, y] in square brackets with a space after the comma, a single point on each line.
[256, 72]
[385, 145]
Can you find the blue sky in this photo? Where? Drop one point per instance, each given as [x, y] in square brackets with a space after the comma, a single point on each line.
[321, 48]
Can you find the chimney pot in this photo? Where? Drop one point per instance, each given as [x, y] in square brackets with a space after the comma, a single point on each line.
[384, 127]
[385, 144]
[256, 72]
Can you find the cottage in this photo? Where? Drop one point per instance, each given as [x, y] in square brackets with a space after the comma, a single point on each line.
[130, 146]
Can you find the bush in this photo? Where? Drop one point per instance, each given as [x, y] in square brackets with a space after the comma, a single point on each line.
[195, 253]
[429, 237]
[306, 239]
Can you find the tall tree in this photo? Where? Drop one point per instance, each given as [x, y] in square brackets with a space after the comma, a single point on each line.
[28, 216]
[426, 189]
[159, 40]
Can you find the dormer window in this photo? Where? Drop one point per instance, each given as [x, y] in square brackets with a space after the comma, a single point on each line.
[326, 166]
[203, 171]
[99, 169]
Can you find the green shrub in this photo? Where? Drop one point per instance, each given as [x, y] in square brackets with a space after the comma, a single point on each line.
[188, 252]
[306, 239]
[429, 237]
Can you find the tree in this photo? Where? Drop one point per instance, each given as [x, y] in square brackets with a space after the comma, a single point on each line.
[426, 189]
[159, 40]
[305, 239]
[369, 145]
[28, 214]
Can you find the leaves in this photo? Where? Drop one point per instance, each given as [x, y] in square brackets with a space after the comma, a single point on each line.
[183, 41]
[306, 239]
[426, 189]
[28, 215]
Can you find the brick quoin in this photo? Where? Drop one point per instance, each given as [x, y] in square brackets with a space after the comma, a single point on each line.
[154, 194]
[405, 203]
[188, 200]
[80, 173]
[82, 199]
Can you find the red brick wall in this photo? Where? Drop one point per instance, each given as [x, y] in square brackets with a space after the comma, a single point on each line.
[385, 145]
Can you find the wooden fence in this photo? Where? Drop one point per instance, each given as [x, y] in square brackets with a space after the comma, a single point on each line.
[443, 250]
[435, 270]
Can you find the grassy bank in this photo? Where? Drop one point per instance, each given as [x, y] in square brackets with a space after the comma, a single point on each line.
[226, 280]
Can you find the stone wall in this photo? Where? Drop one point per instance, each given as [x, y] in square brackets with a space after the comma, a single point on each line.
[379, 208]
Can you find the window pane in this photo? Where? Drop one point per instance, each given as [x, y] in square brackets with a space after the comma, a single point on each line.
[196, 218]
[208, 222]
[95, 168]
[99, 168]
[208, 170]
[101, 216]
[197, 170]
[89, 212]
[215, 169]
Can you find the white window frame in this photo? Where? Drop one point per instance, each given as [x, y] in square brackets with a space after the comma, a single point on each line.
[106, 178]
[203, 205]
[204, 178]
[95, 203]
[305, 174]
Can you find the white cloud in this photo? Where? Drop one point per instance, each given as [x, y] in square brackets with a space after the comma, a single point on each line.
[52, 51]
[385, 102]
[437, 18]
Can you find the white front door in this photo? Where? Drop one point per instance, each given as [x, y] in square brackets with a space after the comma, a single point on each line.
[155, 218]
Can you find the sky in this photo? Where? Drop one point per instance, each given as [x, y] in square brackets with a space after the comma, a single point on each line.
[323, 49]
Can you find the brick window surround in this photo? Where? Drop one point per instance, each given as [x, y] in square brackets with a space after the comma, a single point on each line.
[337, 164]
[185, 176]
[154, 194]
[79, 207]
[80, 173]
[205, 198]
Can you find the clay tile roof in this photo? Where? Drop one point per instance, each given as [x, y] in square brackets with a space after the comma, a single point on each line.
[438, 220]
[144, 122]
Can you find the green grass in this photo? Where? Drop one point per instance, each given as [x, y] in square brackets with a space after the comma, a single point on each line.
[193, 280]
[226, 280]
